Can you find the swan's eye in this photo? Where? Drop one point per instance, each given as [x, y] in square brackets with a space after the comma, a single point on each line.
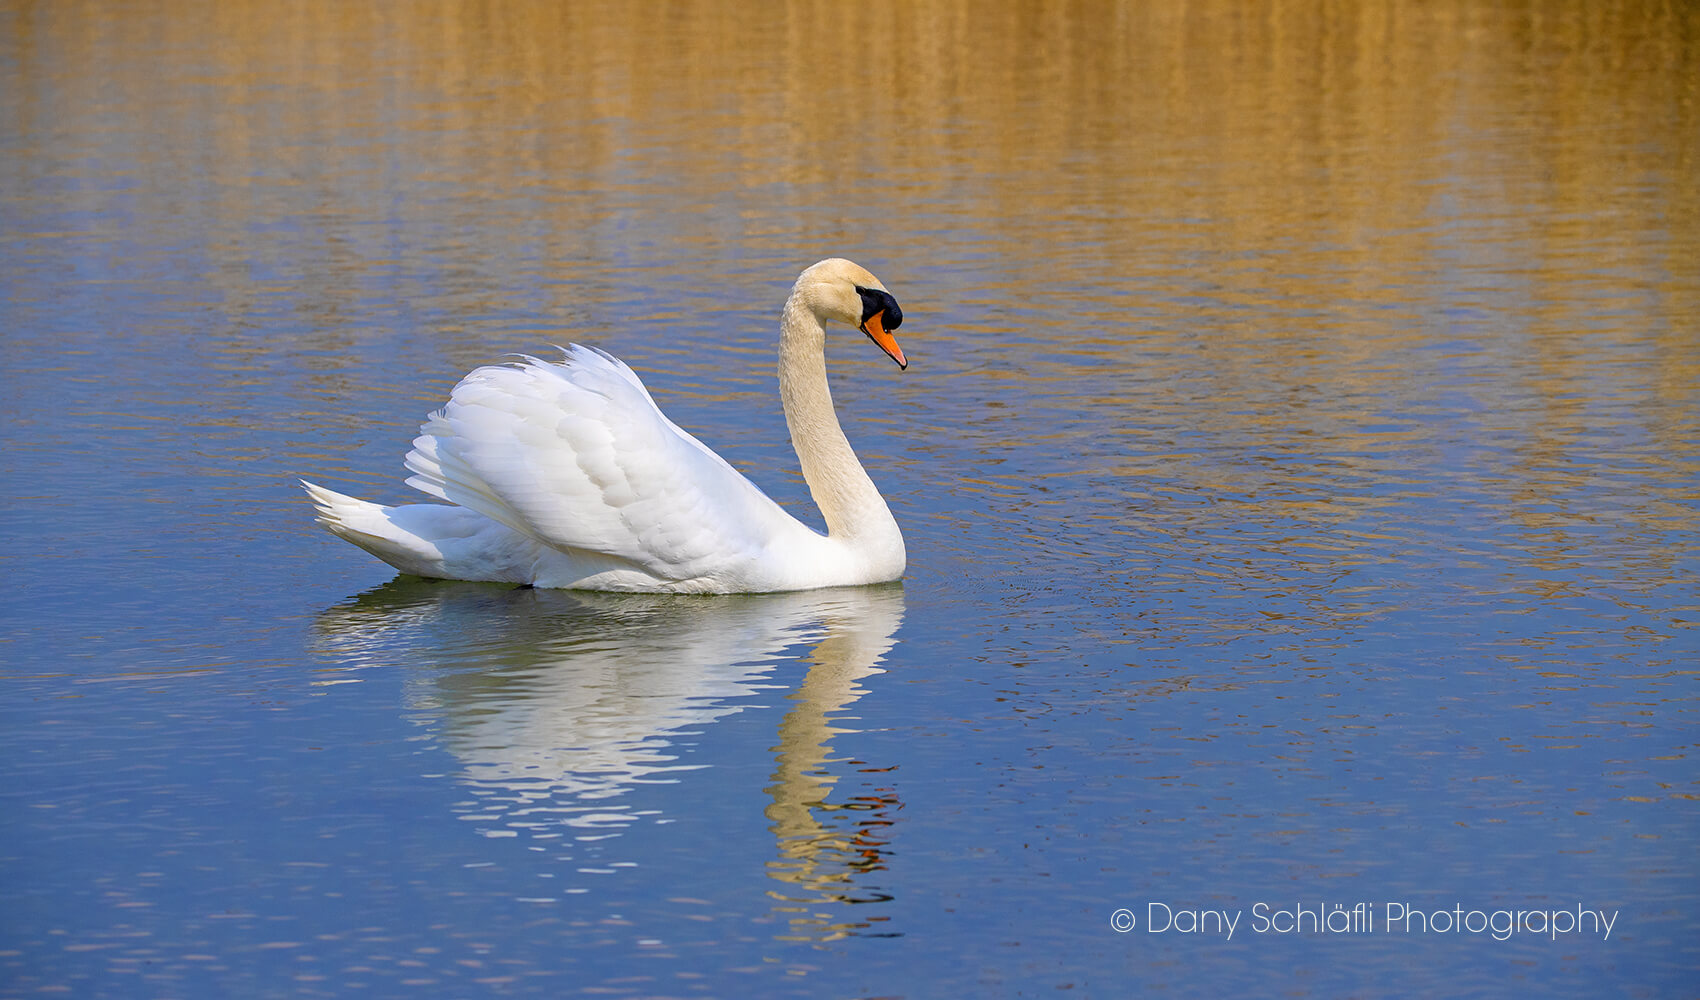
[874, 301]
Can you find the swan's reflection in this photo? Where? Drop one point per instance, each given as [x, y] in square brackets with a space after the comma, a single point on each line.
[558, 705]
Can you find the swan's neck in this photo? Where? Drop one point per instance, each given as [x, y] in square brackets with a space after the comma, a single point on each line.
[849, 502]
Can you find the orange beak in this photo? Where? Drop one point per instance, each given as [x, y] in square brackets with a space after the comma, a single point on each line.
[874, 327]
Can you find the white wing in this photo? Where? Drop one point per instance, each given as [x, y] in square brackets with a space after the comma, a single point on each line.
[578, 456]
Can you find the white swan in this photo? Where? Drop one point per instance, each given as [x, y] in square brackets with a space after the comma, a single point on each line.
[568, 475]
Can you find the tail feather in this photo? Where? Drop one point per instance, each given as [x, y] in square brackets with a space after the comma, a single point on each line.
[451, 543]
[366, 525]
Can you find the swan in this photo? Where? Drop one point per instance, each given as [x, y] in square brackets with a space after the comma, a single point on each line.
[567, 475]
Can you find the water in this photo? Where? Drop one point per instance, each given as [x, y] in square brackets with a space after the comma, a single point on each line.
[1297, 461]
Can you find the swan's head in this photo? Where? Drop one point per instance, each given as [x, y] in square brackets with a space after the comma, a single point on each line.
[843, 291]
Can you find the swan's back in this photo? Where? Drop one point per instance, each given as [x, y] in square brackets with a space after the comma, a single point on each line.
[578, 457]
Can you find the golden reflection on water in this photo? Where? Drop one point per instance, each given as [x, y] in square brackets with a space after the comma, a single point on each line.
[1298, 173]
[1099, 123]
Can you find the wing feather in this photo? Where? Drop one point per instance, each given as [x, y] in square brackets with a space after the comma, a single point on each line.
[578, 456]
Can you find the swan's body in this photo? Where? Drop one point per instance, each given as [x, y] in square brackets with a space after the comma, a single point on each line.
[568, 475]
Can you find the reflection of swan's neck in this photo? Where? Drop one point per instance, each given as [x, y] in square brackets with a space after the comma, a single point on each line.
[823, 850]
[848, 500]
